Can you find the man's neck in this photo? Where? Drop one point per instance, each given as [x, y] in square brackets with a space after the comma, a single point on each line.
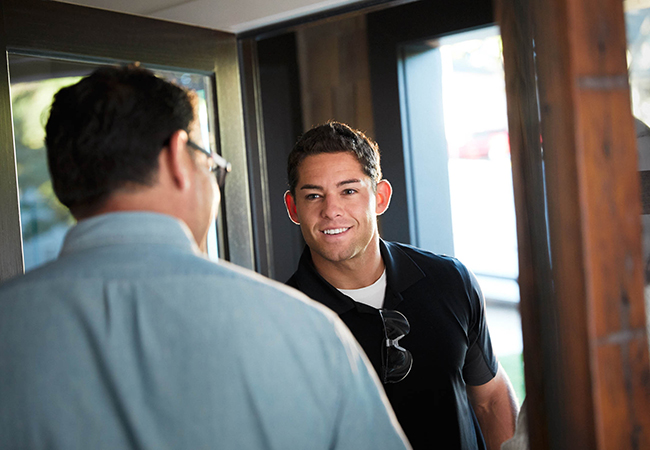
[355, 273]
[150, 199]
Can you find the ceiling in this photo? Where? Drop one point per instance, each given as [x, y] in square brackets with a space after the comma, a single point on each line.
[235, 16]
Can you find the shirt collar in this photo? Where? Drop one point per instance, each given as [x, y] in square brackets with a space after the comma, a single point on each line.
[126, 228]
[401, 270]
[401, 273]
[315, 286]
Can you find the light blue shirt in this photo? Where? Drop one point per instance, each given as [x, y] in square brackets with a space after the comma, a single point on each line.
[130, 339]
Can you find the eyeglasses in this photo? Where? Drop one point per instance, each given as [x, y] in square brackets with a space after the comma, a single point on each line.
[396, 361]
[218, 164]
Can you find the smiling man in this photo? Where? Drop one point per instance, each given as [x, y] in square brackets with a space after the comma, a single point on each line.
[419, 316]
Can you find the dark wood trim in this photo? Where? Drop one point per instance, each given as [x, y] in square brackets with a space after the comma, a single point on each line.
[535, 278]
[585, 343]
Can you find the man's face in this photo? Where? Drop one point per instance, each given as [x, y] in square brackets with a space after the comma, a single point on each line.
[206, 192]
[336, 206]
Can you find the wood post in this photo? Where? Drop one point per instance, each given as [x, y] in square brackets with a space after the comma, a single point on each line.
[585, 343]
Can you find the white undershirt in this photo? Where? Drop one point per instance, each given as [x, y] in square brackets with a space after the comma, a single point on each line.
[372, 295]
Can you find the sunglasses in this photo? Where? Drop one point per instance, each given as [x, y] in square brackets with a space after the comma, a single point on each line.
[396, 361]
[218, 165]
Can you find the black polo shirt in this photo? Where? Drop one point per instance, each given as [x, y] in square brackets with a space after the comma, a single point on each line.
[449, 340]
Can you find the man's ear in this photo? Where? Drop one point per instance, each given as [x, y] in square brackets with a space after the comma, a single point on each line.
[384, 193]
[178, 160]
[290, 203]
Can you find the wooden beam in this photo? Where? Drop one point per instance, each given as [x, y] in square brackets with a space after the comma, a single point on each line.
[535, 280]
[585, 343]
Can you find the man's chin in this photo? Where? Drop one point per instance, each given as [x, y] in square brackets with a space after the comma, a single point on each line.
[331, 256]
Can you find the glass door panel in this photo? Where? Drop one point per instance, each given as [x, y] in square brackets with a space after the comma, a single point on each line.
[637, 21]
[34, 81]
[459, 173]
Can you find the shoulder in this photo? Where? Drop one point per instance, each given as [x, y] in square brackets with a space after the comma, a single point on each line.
[257, 282]
[441, 272]
[429, 261]
[184, 276]
[208, 300]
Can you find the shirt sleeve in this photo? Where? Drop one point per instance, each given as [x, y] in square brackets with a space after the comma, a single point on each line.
[480, 363]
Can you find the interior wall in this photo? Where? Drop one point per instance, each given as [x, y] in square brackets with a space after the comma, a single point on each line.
[334, 73]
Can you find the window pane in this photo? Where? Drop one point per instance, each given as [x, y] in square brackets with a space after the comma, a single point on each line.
[34, 81]
[461, 199]
[480, 182]
[637, 21]
[44, 220]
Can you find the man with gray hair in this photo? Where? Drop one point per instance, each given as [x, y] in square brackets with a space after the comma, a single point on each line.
[133, 339]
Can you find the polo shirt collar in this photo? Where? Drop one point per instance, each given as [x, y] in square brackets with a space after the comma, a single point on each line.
[315, 286]
[401, 273]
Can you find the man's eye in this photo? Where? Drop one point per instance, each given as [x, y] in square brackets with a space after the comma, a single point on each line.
[312, 196]
[349, 191]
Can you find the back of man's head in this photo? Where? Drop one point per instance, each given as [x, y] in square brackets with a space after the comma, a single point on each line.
[334, 137]
[106, 132]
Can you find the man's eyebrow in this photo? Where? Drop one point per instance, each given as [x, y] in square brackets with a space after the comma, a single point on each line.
[351, 181]
[315, 187]
[311, 187]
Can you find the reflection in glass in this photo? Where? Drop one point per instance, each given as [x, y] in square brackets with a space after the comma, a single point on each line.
[637, 20]
[44, 220]
[34, 81]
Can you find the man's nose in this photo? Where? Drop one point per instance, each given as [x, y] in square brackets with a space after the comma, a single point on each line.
[332, 207]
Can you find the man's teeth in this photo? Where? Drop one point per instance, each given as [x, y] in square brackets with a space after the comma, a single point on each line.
[335, 231]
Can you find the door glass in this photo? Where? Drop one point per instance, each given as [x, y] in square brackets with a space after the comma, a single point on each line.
[461, 199]
[34, 81]
[637, 20]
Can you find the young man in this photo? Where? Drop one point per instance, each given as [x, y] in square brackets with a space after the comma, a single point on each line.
[132, 339]
[419, 316]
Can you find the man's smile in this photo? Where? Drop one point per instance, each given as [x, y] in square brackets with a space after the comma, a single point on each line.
[332, 231]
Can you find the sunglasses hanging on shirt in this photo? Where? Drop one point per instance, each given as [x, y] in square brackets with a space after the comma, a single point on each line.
[396, 361]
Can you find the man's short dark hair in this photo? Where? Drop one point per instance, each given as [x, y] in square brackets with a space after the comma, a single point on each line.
[335, 137]
[105, 133]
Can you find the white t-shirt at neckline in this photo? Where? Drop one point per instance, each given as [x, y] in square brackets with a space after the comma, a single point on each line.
[372, 295]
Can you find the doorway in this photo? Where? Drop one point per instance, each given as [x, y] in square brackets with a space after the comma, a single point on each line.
[458, 171]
